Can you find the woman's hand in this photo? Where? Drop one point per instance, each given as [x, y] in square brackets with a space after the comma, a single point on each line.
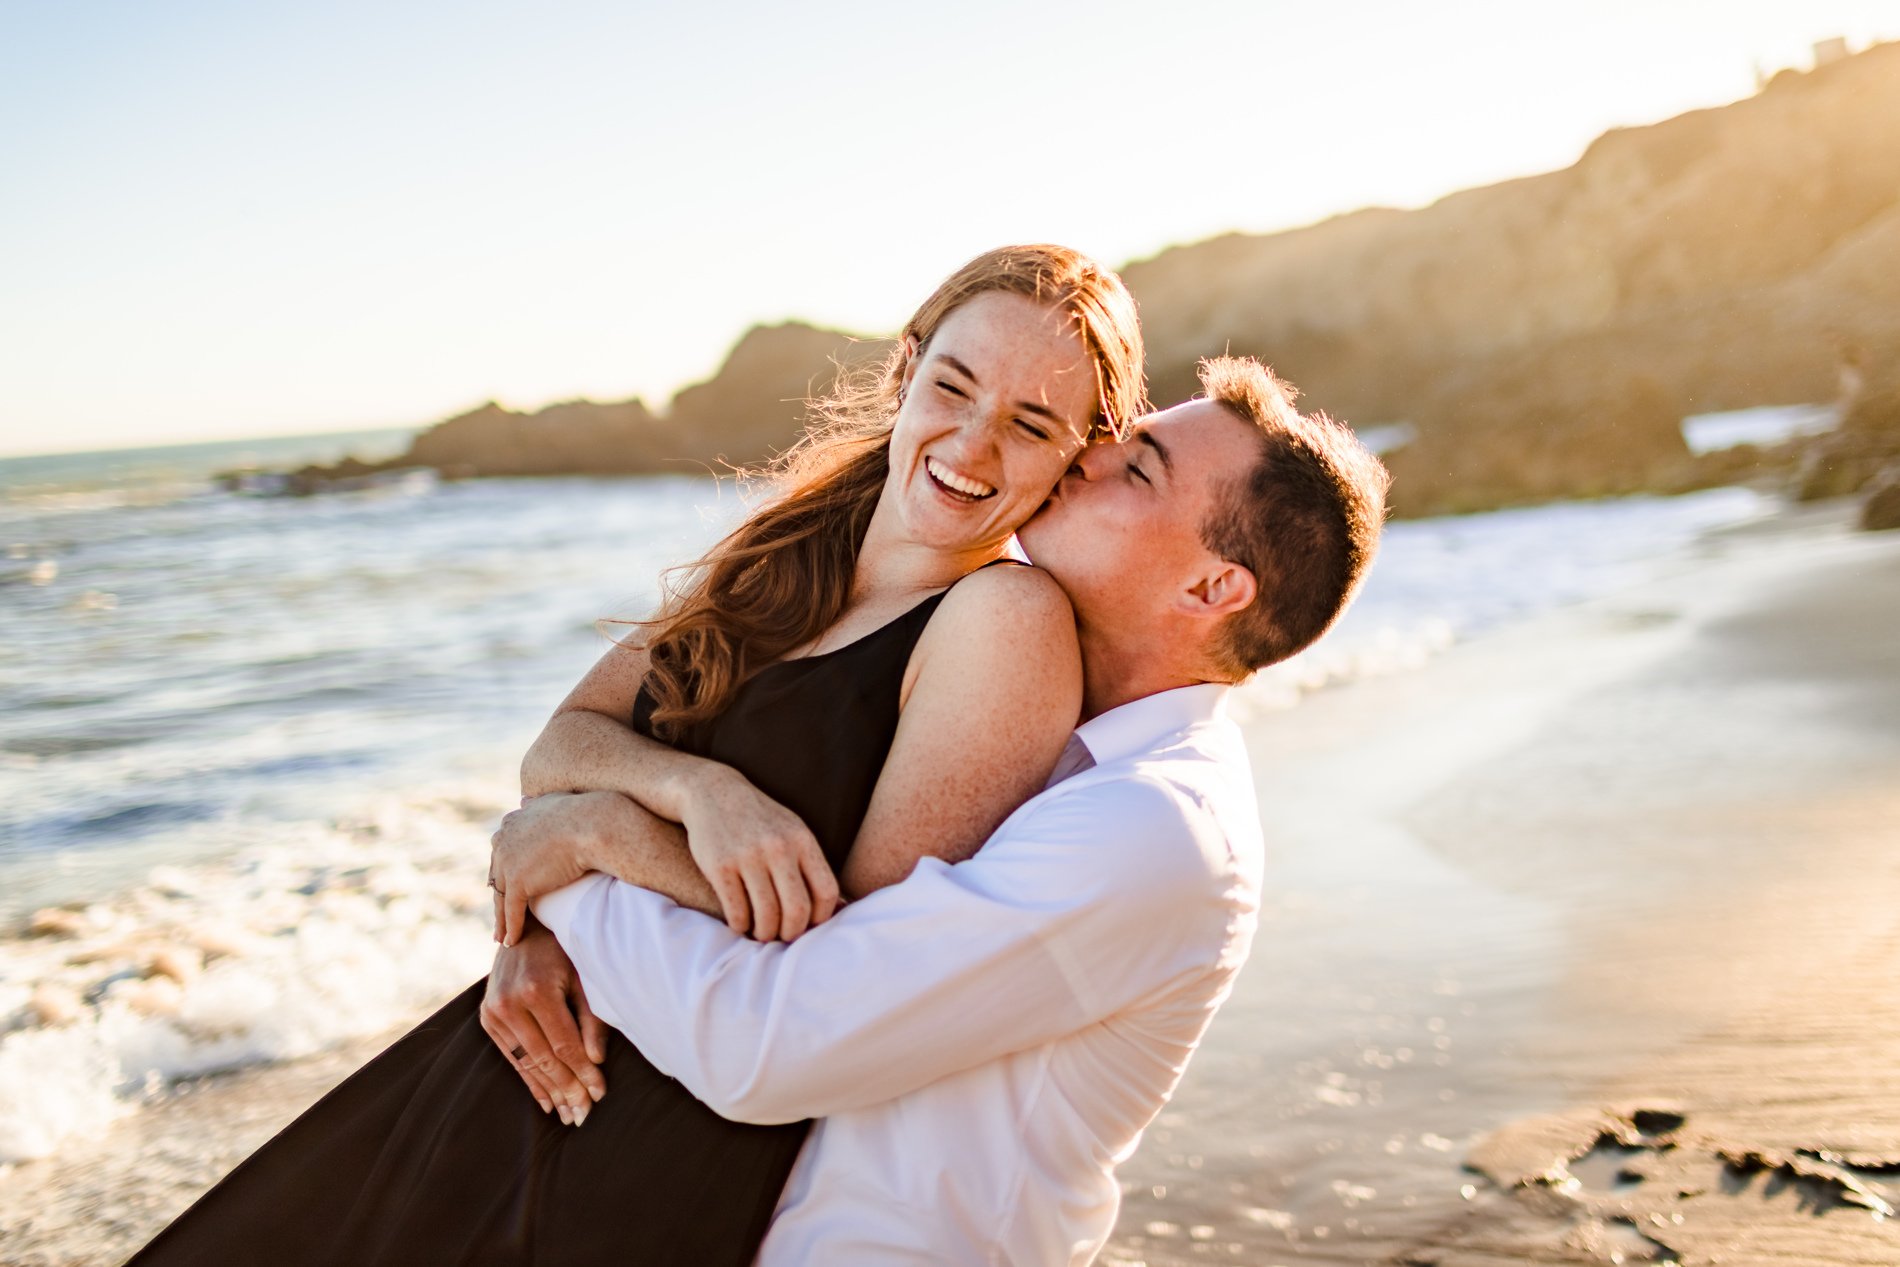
[545, 845]
[771, 877]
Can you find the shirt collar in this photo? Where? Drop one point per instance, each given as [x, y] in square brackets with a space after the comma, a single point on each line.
[1138, 724]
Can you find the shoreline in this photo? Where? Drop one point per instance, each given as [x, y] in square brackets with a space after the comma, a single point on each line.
[1547, 882]
[1454, 959]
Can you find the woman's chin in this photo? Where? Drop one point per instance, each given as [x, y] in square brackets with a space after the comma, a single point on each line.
[955, 526]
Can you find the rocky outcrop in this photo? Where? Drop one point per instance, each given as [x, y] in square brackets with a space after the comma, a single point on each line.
[619, 438]
[752, 408]
[1542, 336]
[1517, 440]
[1725, 254]
[1531, 330]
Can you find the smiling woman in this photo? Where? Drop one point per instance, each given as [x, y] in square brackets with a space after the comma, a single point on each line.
[838, 671]
[997, 380]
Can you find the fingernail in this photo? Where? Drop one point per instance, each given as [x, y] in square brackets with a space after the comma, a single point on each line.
[598, 1092]
[546, 1106]
[567, 1115]
[580, 1115]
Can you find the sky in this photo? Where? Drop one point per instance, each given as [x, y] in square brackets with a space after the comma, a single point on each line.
[242, 219]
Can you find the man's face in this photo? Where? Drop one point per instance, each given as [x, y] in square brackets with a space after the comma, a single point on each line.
[1122, 531]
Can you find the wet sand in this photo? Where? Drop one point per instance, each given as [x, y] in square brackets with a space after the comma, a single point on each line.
[1581, 947]
[1579, 950]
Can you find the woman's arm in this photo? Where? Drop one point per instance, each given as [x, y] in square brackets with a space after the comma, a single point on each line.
[589, 745]
[555, 839]
[761, 860]
[994, 692]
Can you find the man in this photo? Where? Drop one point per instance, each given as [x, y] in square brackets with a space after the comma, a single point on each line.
[984, 1041]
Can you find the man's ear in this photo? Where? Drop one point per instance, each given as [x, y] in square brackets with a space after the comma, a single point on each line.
[1222, 590]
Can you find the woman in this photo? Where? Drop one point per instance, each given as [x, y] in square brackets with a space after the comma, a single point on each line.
[844, 656]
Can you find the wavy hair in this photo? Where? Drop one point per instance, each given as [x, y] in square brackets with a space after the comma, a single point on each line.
[782, 577]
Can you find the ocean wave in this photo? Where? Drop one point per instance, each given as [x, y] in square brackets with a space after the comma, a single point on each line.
[330, 933]
[1368, 653]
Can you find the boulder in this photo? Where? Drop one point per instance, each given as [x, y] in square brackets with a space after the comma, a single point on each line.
[1867, 441]
[1881, 511]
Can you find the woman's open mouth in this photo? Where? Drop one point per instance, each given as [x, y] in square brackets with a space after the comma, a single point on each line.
[959, 487]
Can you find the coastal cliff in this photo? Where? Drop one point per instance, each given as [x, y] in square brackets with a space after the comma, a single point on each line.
[1542, 337]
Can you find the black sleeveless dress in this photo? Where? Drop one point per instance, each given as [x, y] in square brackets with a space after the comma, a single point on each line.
[434, 1152]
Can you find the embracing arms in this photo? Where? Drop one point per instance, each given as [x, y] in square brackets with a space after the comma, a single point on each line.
[757, 859]
[991, 695]
[1085, 904]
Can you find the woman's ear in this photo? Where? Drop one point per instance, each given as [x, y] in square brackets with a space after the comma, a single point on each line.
[911, 348]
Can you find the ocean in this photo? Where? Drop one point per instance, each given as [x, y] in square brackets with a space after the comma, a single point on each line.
[251, 748]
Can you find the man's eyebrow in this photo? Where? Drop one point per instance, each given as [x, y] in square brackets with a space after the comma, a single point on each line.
[1147, 437]
[1027, 406]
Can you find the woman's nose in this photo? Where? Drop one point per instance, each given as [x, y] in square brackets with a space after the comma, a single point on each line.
[975, 441]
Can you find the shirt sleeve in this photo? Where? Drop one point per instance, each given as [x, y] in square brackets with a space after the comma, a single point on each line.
[1080, 906]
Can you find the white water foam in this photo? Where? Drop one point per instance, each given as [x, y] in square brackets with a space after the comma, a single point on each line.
[299, 932]
[276, 953]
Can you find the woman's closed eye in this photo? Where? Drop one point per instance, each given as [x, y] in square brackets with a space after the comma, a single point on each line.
[952, 389]
[1134, 469]
[1031, 429]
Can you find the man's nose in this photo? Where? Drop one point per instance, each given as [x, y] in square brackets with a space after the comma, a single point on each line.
[1091, 463]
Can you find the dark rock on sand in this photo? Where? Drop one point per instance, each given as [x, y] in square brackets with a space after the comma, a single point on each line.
[1867, 442]
[1881, 511]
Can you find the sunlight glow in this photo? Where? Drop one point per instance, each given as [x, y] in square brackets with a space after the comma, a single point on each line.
[235, 220]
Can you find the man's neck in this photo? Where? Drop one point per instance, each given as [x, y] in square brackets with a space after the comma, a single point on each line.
[1117, 671]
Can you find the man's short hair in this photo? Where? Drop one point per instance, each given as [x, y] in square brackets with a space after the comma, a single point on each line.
[1305, 520]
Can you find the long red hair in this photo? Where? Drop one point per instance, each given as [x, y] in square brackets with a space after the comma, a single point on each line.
[781, 578]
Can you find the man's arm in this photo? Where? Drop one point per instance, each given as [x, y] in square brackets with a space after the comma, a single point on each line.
[1082, 905]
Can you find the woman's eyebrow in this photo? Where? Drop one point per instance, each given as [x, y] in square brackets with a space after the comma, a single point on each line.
[1027, 406]
[959, 367]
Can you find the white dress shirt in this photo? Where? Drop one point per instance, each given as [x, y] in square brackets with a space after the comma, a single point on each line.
[983, 1042]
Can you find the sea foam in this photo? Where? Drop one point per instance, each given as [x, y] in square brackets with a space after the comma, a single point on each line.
[286, 948]
[311, 914]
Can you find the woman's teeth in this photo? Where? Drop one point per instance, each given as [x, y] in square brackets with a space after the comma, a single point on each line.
[962, 485]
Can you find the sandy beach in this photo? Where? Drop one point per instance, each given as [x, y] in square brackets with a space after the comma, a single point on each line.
[1578, 949]
[1581, 945]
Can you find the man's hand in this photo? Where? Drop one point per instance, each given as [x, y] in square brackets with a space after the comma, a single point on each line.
[545, 845]
[537, 1014]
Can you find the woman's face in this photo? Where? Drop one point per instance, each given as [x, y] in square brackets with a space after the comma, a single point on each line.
[996, 406]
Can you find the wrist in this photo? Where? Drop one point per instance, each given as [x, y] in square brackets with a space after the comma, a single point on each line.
[594, 842]
[692, 786]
